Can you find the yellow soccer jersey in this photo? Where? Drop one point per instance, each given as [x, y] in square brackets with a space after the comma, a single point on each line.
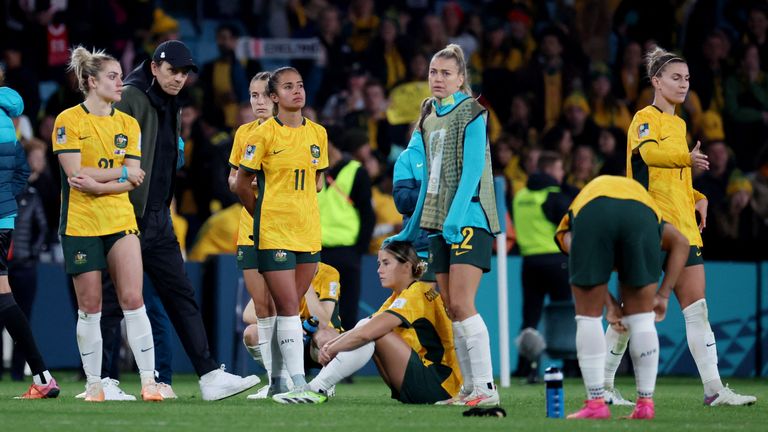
[103, 142]
[605, 186]
[426, 328]
[327, 287]
[663, 166]
[245, 229]
[285, 161]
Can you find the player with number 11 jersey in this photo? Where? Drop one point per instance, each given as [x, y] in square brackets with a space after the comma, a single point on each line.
[286, 160]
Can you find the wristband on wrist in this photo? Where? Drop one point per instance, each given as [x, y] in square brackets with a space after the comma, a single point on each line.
[124, 177]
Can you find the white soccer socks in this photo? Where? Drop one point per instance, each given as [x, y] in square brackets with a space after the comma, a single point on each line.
[478, 342]
[90, 344]
[701, 343]
[616, 345]
[343, 365]
[460, 343]
[290, 338]
[644, 350]
[590, 349]
[139, 332]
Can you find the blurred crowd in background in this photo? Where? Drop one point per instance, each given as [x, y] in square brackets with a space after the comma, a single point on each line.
[557, 75]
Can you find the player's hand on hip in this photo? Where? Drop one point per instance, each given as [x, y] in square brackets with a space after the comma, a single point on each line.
[698, 159]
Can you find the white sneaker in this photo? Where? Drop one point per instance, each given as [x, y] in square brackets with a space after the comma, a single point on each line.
[613, 397]
[112, 391]
[261, 394]
[219, 384]
[167, 391]
[726, 396]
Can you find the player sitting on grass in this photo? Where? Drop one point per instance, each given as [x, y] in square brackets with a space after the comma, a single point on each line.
[409, 337]
[614, 223]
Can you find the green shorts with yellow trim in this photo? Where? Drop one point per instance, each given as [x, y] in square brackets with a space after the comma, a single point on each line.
[475, 249]
[694, 257]
[86, 254]
[281, 259]
[246, 257]
[615, 233]
[422, 384]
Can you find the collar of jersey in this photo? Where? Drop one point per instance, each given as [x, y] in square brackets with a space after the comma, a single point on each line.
[303, 121]
[445, 105]
[82, 105]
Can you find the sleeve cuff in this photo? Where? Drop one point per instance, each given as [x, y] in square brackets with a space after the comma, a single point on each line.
[405, 322]
[247, 169]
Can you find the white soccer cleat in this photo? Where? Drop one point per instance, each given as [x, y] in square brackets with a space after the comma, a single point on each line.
[726, 396]
[259, 395]
[480, 398]
[166, 391]
[613, 397]
[219, 384]
[112, 391]
[456, 400]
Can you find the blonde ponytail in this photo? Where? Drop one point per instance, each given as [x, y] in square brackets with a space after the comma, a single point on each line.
[657, 58]
[453, 51]
[87, 64]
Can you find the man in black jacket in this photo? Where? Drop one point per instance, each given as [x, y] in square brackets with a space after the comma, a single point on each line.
[150, 95]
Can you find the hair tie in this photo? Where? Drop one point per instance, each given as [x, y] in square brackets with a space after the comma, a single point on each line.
[666, 62]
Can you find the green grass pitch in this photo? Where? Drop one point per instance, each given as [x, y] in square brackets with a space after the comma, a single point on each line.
[366, 406]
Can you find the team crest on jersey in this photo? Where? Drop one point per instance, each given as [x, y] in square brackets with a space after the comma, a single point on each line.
[333, 289]
[398, 304]
[121, 141]
[281, 256]
[250, 150]
[643, 130]
[81, 258]
[61, 135]
[315, 150]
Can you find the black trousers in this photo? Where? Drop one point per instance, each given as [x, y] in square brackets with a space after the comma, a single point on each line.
[22, 276]
[347, 261]
[542, 275]
[161, 256]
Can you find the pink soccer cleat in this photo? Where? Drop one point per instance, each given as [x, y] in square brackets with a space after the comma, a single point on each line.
[48, 391]
[593, 409]
[644, 410]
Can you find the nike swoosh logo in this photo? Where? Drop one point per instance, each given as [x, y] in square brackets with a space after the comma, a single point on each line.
[663, 138]
[146, 349]
[698, 253]
[709, 345]
[419, 165]
[458, 252]
[616, 354]
[86, 137]
[274, 152]
[87, 354]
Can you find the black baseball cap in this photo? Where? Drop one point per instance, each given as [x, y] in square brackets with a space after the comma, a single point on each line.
[175, 53]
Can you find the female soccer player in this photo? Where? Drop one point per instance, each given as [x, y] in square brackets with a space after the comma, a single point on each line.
[286, 154]
[409, 338]
[614, 222]
[658, 157]
[263, 108]
[457, 205]
[13, 179]
[98, 150]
